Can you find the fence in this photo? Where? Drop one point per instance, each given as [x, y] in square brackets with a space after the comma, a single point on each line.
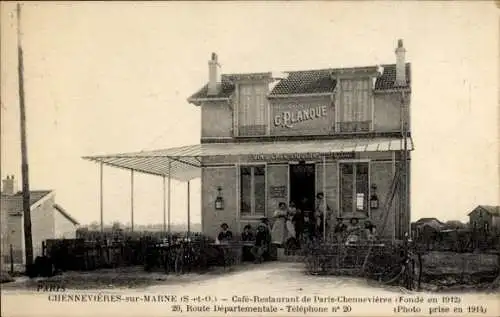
[460, 241]
[112, 250]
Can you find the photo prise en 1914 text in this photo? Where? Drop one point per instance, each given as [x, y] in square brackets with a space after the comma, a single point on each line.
[250, 158]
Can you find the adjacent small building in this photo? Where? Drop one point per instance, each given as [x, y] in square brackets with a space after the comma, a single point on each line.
[485, 218]
[48, 221]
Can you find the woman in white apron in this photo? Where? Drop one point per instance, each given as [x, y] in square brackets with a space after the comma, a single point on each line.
[278, 231]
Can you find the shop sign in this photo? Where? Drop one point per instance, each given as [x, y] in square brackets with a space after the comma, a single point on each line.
[287, 119]
[277, 191]
[302, 156]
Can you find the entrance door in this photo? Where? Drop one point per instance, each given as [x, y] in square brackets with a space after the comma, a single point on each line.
[302, 185]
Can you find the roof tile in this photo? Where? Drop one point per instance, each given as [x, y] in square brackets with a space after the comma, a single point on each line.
[305, 82]
[387, 79]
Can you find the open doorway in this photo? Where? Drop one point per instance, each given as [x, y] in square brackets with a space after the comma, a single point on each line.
[302, 185]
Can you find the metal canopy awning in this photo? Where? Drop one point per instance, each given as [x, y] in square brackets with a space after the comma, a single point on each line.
[184, 163]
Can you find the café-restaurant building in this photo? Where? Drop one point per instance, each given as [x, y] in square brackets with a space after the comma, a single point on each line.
[271, 137]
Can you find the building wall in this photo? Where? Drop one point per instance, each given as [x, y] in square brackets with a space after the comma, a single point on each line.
[216, 119]
[12, 230]
[277, 186]
[42, 224]
[63, 228]
[381, 174]
[211, 178]
[331, 183]
[387, 112]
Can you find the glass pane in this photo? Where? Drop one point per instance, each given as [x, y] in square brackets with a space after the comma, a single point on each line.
[260, 190]
[346, 188]
[362, 186]
[245, 191]
[260, 170]
[360, 201]
[246, 170]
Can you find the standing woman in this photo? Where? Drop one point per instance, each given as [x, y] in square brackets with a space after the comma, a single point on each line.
[278, 231]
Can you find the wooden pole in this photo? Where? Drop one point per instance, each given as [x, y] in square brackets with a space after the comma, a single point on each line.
[28, 242]
[132, 200]
[164, 206]
[324, 199]
[188, 209]
[169, 190]
[101, 200]
[405, 162]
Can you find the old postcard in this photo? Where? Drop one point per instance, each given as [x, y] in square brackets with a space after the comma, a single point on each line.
[250, 158]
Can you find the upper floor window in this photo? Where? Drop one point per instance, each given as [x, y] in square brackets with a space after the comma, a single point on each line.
[354, 113]
[252, 110]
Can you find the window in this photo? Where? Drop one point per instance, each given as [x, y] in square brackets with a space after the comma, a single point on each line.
[354, 188]
[355, 105]
[252, 110]
[253, 190]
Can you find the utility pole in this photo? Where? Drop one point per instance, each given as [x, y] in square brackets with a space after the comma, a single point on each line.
[28, 243]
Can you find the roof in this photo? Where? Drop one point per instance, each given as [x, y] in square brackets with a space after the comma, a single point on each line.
[35, 196]
[492, 210]
[307, 82]
[388, 78]
[227, 89]
[184, 163]
[63, 212]
[427, 220]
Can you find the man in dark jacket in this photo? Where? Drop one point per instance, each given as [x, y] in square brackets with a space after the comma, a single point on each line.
[262, 239]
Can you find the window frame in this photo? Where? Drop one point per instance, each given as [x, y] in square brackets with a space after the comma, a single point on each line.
[352, 84]
[354, 190]
[253, 214]
[253, 88]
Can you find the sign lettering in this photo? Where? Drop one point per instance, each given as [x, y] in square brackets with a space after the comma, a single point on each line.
[278, 191]
[301, 156]
[287, 119]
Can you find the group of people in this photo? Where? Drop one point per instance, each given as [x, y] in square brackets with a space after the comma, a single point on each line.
[293, 225]
[261, 239]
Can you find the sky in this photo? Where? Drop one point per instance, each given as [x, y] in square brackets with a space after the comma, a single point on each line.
[114, 77]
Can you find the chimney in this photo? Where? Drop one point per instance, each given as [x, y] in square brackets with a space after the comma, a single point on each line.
[9, 186]
[213, 76]
[400, 65]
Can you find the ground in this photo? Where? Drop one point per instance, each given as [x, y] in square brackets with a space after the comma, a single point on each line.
[269, 279]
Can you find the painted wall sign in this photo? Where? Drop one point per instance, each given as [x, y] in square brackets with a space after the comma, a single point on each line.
[301, 156]
[277, 191]
[287, 119]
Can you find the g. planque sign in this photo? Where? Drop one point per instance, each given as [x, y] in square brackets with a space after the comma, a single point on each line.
[287, 119]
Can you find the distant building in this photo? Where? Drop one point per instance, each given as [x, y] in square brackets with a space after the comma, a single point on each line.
[48, 221]
[485, 218]
[426, 227]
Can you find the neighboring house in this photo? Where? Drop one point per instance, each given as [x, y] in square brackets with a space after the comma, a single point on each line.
[427, 228]
[431, 222]
[48, 221]
[485, 218]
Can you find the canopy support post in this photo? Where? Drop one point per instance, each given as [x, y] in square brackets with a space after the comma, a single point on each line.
[164, 206]
[169, 190]
[101, 205]
[188, 210]
[325, 211]
[132, 200]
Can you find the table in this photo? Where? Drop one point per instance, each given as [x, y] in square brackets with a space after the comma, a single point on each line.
[232, 251]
